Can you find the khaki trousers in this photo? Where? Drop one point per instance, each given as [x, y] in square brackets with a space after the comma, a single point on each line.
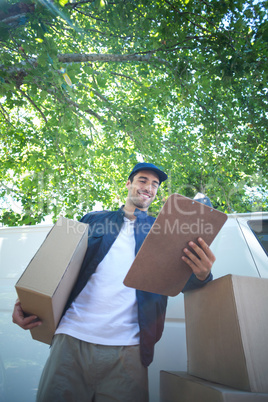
[85, 372]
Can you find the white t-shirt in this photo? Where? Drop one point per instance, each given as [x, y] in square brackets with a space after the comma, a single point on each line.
[105, 312]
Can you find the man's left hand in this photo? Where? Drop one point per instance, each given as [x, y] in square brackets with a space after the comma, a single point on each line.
[201, 265]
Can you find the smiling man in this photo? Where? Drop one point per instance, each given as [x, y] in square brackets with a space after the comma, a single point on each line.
[105, 340]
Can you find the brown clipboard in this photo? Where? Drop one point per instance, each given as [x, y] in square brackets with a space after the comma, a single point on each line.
[158, 266]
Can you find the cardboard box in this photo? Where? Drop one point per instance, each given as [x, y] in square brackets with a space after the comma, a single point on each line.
[227, 332]
[178, 386]
[46, 283]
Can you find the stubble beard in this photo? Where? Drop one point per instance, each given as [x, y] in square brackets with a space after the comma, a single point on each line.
[140, 203]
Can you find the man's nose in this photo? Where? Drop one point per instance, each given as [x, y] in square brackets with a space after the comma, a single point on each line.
[148, 187]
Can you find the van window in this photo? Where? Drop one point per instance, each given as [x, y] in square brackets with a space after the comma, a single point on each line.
[260, 230]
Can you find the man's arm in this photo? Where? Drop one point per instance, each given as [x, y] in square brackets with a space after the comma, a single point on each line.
[23, 320]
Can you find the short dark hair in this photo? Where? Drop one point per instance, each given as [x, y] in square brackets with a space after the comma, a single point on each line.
[132, 177]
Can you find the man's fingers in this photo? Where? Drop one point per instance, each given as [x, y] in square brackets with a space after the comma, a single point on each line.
[206, 249]
[201, 260]
[28, 322]
[24, 321]
[192, 256]
[204, 253]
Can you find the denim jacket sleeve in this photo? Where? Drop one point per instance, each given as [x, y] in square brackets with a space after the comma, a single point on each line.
[195, 283]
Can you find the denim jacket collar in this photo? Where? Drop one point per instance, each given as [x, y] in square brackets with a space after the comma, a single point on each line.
[138, 213]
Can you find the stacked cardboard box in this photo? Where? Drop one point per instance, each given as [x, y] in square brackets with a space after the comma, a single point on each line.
[46, 283]
[226, 332]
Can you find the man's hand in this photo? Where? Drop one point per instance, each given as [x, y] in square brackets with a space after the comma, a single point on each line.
[201, 265]
[24, 321]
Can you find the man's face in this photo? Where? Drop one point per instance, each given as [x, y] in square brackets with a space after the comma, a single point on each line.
[143, 189]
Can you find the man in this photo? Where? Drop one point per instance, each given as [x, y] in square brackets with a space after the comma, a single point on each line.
[105, 340]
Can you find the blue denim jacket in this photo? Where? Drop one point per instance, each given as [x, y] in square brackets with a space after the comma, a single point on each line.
[104, 227]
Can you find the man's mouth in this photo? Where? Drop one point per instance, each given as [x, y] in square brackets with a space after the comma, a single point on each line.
[146, 196]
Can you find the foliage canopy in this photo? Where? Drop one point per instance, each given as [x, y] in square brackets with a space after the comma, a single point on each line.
[88, 88]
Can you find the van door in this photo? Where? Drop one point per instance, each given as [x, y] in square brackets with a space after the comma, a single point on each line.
[255, 230]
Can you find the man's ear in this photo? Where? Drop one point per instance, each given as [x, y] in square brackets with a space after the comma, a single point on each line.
[128, 183]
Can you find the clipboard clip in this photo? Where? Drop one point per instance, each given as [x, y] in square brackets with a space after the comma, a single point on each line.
[203, 199]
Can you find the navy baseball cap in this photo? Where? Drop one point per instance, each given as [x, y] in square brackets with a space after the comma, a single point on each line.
[149, 166]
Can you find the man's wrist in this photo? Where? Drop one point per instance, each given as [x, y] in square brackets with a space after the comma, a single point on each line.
[202, 278]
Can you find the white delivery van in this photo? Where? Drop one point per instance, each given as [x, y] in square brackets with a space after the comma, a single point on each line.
[241, 248]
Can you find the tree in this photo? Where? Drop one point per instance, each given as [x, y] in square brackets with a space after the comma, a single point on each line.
[89, 88]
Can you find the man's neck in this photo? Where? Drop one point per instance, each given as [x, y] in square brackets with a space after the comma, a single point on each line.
[129, 211]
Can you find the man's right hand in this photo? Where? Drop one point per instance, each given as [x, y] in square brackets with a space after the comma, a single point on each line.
[23, 320]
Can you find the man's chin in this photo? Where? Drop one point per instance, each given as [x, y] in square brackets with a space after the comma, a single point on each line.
[142, 204]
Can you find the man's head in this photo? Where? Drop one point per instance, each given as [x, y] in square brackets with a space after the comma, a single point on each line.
[142, 185]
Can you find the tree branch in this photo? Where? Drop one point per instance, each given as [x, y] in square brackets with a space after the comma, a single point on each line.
[128, 77]
[78, 58]
[34, 105]
[89, 111]
[16, 13]
[4, 114]
[78, 3]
